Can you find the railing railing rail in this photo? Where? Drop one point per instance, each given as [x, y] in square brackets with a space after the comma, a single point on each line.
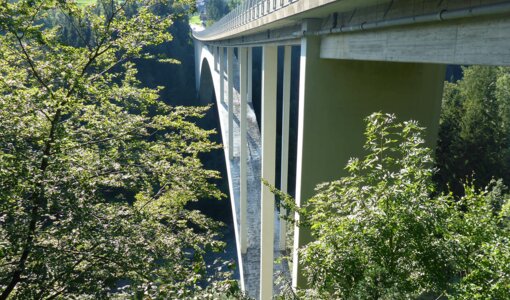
[247, 11]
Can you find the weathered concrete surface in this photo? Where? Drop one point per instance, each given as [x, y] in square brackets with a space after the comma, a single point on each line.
[423, 31]
[282, 16]
[467, 41]
[335, 97]
[250, 261]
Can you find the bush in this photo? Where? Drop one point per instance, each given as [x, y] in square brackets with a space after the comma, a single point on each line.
[378, 233]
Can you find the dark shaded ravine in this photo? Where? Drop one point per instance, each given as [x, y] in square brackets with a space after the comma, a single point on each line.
[178, 81]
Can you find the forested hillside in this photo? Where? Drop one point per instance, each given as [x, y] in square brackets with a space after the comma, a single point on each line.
[474, 136]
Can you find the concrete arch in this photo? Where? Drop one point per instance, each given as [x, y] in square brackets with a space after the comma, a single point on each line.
[207, 78]
[206, 90]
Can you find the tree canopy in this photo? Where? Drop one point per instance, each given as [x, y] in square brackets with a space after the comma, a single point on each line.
[215, 10]
[95, 170]
[474, 135]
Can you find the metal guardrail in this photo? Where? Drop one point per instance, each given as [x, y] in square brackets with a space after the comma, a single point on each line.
[247, 11]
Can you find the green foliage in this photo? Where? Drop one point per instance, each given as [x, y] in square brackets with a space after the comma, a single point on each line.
[378, 233]
[231, 4]
[96, 171]
[481, 235]
[474, 135]
[85, 2]
[215, 10]
[195, 20]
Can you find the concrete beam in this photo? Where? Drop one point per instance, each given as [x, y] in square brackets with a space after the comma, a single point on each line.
[250, 74]
[285, 140]
[215, 51]
[230, 95]
[484, 41]
[222, 74]
[269, 80]
[198, 63]
[243, 155]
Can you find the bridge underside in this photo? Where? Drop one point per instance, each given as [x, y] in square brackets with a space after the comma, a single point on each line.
[356, 57]
[209, 88]
[335, 97]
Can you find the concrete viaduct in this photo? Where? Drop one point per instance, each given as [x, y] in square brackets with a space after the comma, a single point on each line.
[356, 57]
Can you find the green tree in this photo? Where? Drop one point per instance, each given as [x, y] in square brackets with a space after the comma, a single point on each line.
[215, 10]
[480, 236]
[379, 234]
[474, 135]
[231, 4]
[95, 170]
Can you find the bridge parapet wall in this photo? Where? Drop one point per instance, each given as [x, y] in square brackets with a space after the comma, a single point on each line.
[247, 11]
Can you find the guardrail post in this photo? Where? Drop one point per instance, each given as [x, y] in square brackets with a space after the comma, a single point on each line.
[252, 11]
[215, 55]
[269, 78]
[244, 12]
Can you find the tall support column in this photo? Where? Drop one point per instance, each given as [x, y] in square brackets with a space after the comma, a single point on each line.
[269, 79]
[221, 60]
[250, 74]
[198, 64]
[335, 96]
[285, 140]
[215, 56]
[230, 96]
[243, 156]
[213, 52]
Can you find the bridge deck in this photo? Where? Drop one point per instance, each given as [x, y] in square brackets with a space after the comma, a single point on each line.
[251, 259]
